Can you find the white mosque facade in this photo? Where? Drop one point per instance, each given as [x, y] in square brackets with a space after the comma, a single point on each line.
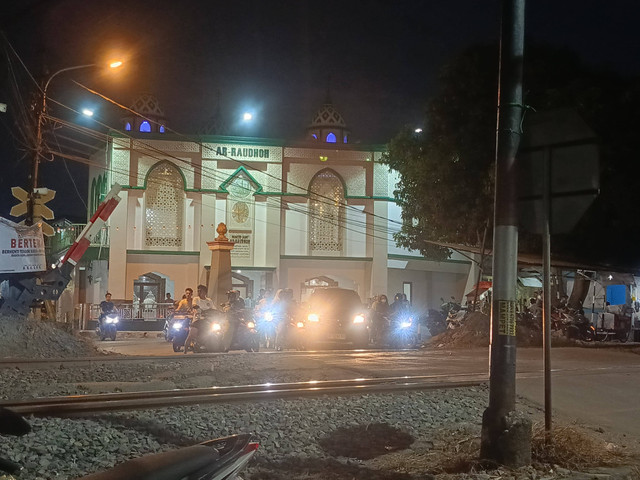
[318, 212]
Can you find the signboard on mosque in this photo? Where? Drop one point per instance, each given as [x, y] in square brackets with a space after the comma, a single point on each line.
[243, 244]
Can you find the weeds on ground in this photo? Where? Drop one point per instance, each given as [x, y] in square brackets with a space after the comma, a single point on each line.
[573, 448]
[459, 452]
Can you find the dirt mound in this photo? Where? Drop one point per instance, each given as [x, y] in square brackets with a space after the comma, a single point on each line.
[365, 441]
[474, 332]
[26, 338]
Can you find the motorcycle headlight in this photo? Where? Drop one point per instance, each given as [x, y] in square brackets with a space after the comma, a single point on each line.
[268, 316]
[313, 317]
[112, 319]
[358, 318]
[216, 327]
[299, 324]
[405, 324]
[251, 325]
[177, 326]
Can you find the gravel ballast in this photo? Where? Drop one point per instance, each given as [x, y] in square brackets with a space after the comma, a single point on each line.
[68, 448]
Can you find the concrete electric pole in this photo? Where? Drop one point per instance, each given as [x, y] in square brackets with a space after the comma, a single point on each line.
[506, 435]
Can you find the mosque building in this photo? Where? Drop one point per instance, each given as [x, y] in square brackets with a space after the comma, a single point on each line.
[315, 212]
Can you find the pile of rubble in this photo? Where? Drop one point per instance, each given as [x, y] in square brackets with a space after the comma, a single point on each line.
[474, 331]
[27, 338]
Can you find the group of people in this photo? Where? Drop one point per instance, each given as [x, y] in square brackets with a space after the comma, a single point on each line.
[385, 314]
[202, 309]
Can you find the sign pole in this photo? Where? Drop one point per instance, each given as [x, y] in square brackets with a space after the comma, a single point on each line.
[546, 274]
[506, 435]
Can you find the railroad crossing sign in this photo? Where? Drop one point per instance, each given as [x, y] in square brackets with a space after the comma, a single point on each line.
[40, 211]
[558, 158]
[21, 208]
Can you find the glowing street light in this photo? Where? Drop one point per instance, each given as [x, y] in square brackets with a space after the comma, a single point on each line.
[39, 120]
[418, 130]
[87, 112]
[247, 117]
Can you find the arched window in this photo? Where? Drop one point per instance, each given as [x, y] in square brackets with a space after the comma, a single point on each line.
[127, 126]
[345, 139]
[164, 207]
[161, 128]
[314, 136]
[331, 138]
[145, 126]
[326, 214]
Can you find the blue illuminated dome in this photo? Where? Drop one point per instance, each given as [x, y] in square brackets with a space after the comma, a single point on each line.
[151, 118]
[328, 125]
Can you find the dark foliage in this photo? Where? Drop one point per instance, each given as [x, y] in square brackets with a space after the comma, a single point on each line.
[447, 172]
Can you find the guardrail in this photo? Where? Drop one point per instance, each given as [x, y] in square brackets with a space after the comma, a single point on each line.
[136, 311]
[64, 237]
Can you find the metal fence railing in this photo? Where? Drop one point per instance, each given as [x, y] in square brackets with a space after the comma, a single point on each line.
[64, 236]
[137, 311]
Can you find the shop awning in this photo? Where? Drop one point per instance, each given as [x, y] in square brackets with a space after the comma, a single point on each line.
[532, 282]
[480, 288]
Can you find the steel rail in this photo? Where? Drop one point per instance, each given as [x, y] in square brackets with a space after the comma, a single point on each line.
[91, 404]
[17, 362]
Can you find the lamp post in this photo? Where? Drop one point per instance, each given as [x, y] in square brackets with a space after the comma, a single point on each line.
[30, 220]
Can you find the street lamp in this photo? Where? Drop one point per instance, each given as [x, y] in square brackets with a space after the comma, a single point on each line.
[40, 117]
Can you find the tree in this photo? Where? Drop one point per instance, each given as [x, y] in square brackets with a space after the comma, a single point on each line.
[446, 173]
[446, 176]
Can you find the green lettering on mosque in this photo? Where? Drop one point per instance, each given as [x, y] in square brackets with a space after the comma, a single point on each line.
[244, 152]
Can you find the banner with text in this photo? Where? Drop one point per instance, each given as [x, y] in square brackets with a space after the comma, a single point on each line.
[21, 248]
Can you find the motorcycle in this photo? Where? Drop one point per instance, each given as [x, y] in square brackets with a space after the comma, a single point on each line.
[213, 336]
[580, 328]
[179, 332]
[403, 331]
[107, 326]
[292, 335]
[267, 326]
[168, 330]
[219, 459]
[436, 322]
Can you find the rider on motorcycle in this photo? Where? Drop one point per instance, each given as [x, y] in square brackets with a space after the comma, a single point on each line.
[234, 308]
[283, 307]
[380, 318]
[106, 307]
[202, 306]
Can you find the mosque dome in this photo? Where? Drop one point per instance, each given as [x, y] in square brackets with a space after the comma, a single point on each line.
[150, 116]
[147, 104]
[327, 116]
[328, 125]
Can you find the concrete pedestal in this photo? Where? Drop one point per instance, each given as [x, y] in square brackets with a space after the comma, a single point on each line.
[219, 279]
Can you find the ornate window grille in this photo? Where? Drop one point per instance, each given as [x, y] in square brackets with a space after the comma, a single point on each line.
[164, 207]
[326, 214]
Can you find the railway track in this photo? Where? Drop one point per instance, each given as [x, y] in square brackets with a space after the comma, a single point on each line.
[35, 362]
[91, 404]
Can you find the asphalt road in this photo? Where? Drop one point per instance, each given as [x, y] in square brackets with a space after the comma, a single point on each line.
[594, 386]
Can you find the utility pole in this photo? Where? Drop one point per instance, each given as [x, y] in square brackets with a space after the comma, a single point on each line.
[506, 435]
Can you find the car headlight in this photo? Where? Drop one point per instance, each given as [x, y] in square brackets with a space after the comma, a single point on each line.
[313, 317]
[251, 325]
[177, 326]
[299, 324]
[268, 316]
[216, 327]
[358, 319]
[405, 324]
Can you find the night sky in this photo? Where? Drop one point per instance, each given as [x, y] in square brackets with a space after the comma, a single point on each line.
[380, 60]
